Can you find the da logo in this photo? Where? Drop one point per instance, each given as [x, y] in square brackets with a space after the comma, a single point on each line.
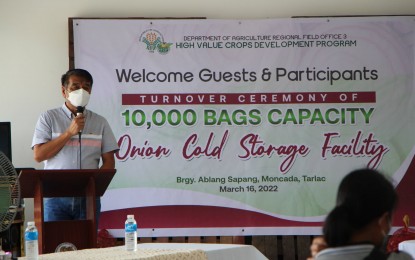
[155, 42]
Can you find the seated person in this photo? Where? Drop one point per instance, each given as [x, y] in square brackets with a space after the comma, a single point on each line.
[358, 226]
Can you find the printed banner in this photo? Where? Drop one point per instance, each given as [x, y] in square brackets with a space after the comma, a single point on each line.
[246, 127]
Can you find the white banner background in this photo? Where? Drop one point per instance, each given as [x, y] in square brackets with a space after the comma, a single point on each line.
[237, 80]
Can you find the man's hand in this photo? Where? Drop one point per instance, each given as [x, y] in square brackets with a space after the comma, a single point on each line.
[77, 125]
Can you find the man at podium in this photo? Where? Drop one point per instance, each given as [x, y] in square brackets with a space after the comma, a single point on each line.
[71, 137]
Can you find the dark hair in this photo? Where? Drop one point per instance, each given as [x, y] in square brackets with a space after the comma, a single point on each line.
[76, 72]
[363, 196]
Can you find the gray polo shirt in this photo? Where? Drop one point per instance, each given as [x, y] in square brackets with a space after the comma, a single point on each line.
[97, 139]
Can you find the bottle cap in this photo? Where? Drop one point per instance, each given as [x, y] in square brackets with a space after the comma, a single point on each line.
[30, 223]
[130, 216]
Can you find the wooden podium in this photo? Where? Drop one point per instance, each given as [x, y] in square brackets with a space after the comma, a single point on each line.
[39, 184]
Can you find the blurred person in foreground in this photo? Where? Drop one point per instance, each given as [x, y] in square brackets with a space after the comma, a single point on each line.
[358, 226]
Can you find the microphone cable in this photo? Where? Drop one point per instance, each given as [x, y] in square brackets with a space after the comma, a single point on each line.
[80, 110]
[80, 152]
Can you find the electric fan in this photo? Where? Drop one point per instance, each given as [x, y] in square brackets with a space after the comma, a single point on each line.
[9, 193]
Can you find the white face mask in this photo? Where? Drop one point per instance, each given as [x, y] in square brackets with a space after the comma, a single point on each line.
[79, 97]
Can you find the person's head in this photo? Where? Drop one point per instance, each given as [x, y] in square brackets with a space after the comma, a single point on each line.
[363, 211]
[76, 87]
[81, 73]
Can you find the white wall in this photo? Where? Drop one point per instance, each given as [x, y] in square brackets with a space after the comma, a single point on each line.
[34, 44]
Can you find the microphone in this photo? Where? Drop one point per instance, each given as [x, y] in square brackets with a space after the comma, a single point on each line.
[79, 111]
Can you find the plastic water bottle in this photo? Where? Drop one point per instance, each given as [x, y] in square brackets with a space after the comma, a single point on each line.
[130, 233]
[31, 244]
